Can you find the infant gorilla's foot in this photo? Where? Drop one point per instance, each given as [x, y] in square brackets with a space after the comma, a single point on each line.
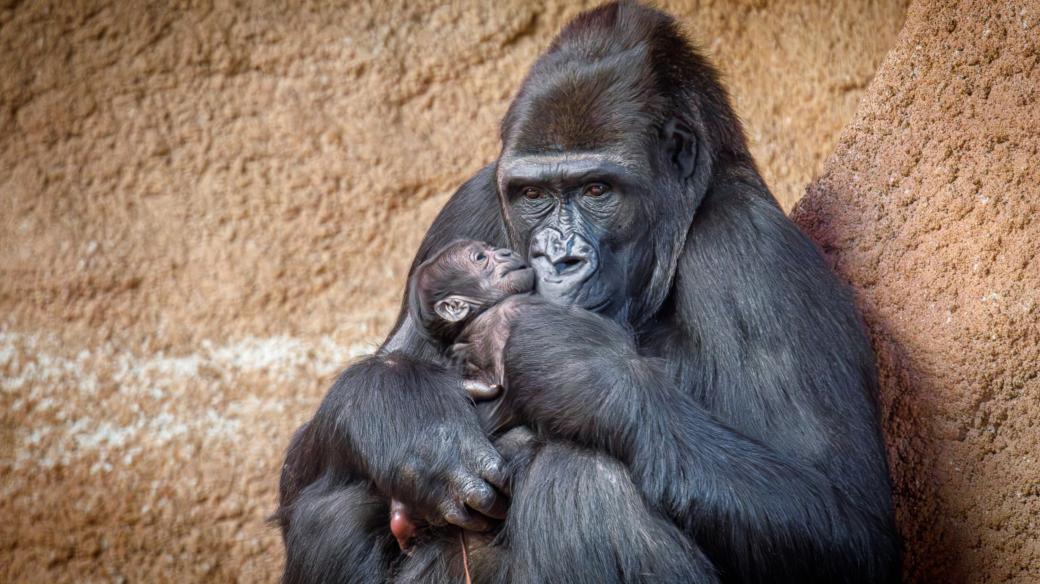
[518, 447]
[516, 442]
[479, 391]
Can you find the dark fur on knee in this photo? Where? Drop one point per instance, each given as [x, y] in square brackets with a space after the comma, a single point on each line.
[577, 517]
[337, 534]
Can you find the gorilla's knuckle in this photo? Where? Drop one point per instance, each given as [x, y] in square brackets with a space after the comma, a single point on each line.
[451, 509]
[480, 496]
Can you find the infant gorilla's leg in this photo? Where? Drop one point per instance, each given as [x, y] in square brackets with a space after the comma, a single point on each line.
[338, 534]
[577, 517]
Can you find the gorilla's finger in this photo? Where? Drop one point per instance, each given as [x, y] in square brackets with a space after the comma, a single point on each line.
[493, 469]
[456, 514]
[480, 391]
[482, 498]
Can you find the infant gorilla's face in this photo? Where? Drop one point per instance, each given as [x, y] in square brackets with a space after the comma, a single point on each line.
[468, 277]
[501, 272]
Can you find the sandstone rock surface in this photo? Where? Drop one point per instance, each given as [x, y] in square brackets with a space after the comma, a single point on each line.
[207, 209]
[929, 207]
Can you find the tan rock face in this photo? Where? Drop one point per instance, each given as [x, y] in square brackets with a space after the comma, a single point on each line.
[929, 207]
[206, 211]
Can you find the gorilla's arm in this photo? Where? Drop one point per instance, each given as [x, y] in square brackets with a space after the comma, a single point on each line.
[734, 494]
[382, 418]
[802, 500]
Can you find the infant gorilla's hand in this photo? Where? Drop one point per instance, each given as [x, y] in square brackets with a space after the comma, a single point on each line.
[481, 348]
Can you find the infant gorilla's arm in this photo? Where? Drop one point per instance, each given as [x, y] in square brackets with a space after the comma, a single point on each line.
[480, 346]
[481, 350]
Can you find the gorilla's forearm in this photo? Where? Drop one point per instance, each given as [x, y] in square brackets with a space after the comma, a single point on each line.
[578, 376]
[406, 425]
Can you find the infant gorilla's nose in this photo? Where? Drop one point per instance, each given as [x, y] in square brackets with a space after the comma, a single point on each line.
[507, 261]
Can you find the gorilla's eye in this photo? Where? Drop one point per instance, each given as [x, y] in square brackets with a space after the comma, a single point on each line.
[595, 190]
[480, 256]
[532, 193]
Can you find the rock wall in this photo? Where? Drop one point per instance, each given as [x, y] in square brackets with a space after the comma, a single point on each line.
[207, 209]
[929, 207]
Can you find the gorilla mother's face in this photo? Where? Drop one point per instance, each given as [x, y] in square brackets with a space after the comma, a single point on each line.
[592, 178]
[576, 217]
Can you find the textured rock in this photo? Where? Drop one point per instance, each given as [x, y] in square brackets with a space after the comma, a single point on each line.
[929, 207]
[207, 209]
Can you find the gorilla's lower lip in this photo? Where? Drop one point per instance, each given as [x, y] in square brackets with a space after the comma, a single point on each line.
[573, 277]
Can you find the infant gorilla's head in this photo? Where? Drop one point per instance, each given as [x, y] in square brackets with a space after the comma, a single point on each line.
[462, 280]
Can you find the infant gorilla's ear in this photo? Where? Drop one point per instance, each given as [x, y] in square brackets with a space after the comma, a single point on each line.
[452, 309]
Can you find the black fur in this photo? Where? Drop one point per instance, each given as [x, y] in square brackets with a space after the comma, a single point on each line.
[716, 423]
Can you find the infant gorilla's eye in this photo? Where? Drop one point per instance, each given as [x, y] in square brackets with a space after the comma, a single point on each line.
[480, 256]
[532, 193]
[595, 190]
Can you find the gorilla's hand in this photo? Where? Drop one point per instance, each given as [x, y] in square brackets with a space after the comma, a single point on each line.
[448, 471]
[408, 426]
[517, 446]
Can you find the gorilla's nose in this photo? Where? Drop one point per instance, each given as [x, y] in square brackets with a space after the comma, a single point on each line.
[564, 254]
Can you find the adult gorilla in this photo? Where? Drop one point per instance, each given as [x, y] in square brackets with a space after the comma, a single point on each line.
[735, 439]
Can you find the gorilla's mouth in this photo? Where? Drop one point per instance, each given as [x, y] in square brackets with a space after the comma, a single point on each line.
[566, 263]
[563, 268]
[565, 280]
[565, 272]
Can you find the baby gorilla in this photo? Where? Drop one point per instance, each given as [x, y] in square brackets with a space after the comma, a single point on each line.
[451, 294]
[451, 297]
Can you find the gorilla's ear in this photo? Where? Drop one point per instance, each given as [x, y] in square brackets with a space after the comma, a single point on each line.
[681, 145]
[452, 308]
